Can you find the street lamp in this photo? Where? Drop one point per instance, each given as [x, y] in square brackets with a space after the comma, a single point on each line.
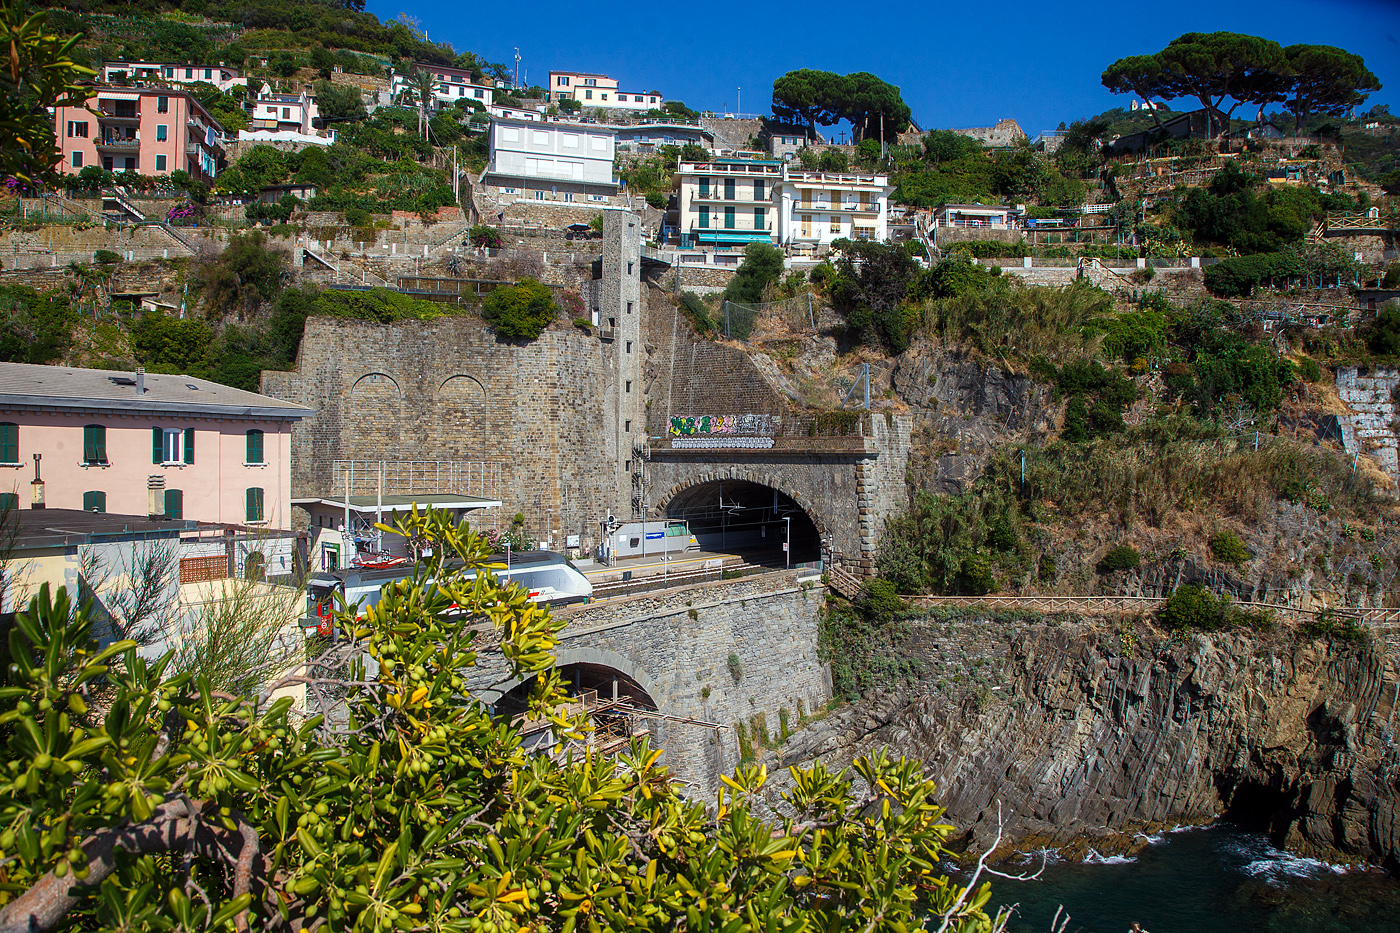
[787, 545]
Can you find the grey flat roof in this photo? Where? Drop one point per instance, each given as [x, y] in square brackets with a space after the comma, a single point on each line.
[34, 386]
[400, 503]
[40, 528]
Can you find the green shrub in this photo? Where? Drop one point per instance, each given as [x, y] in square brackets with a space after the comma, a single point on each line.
[520, 311]
[1327, 624]
[736, 669]
[1227, 547]
[1045, 570]
[693, 306]
[105, 257]
[1239, 276]
[1192, 607]
[583, 324]
[358, 217]
[975, 576]
[1122, 557]
[1309, 370]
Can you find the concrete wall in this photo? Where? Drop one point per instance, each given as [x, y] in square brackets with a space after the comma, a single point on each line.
[1370, 394]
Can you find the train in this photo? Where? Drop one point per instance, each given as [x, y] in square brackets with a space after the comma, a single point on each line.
[635, 539]
[548, 577]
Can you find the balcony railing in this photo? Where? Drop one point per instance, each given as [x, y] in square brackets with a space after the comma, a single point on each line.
[117, 142]
[765, 228]
[191, 148]
[105, 115]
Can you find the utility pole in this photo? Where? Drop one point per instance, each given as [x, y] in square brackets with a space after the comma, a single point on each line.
[787, 545]
[517, 68]
[739, 100]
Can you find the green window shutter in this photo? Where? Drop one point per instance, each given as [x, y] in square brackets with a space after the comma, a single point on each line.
[729, 218]
[157, 445]
[95, 501]
[189, 445]
[758, 218]
[9, 442]
[255, 446]
[729, 189]
[174, 503]
[255, 504]
[9, 501]
[704, 216]
[94, 443]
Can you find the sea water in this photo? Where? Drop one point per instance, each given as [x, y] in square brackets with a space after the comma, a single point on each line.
[1219, 879]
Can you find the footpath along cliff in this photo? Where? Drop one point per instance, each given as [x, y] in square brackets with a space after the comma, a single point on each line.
[1088, 734]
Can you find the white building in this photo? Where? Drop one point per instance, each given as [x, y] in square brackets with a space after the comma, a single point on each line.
[221, 76]
[726, 202]
[284, 113]
[815, 208]
[992, 216]
[515, 113]
[449, 86]
[570, 162]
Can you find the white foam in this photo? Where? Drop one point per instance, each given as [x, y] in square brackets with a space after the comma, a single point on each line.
[1265, 862]
[1094, 858]
[1154, 840]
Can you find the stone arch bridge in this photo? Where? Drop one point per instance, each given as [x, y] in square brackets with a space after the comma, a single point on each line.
[710, 660]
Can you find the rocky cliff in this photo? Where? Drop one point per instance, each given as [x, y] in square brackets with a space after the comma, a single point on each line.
[1093, 733]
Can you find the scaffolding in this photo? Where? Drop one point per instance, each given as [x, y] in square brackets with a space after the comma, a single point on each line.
[478, 478]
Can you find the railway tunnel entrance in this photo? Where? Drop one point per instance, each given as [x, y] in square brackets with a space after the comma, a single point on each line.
[741, 515]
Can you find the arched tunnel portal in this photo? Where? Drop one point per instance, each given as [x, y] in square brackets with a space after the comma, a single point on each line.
[738, 514]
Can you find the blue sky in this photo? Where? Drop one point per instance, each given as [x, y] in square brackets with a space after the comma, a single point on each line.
[957, 63]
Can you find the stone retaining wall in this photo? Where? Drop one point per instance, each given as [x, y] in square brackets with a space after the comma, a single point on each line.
[678, 646]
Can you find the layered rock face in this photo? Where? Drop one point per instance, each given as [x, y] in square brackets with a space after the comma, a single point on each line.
[1097, 733]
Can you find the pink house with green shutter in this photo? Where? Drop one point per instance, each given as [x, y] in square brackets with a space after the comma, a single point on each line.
[144, 444]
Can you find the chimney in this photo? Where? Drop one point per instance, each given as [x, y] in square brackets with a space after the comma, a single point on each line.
[140, 380]
[36, 486]
[155, 487]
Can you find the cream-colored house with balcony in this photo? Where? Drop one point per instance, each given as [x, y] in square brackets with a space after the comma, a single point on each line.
[727, 202]
[815, 208]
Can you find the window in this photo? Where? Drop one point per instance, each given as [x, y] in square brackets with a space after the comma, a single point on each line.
[569, 140]
[539, 194]
[95, 501]
[704, 216]
[568, 195]
[627, 427]
[704, 187]
[588, 95]
[94, 443]
[77, 129]
[629, 385]
[591, 82]
[653, 100]
[9, 501]
[174, 503]
[255, 447]
[540, 137]
[605, 97]
[130, 164]
[835, 223]
[629, 346]
[160, 163]
[598, 143]
[729, 218]
[208, 73]
[169, 72]
[77, 160]
[758, 190]
[729, 189]
[9, 442]
[563, 81]
[286, 113]
[629, 270]
[760, 219]
[254, 499]
[806, 225]
[477, 92]
[189, 72]
[161, 131]
[510, 134]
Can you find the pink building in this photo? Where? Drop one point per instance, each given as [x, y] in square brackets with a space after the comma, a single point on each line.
[145, 444]
[151, 130]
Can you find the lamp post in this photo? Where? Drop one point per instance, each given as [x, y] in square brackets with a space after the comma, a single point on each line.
[787, 545]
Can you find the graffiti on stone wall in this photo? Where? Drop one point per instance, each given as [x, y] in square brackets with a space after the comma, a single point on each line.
[740, 425]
